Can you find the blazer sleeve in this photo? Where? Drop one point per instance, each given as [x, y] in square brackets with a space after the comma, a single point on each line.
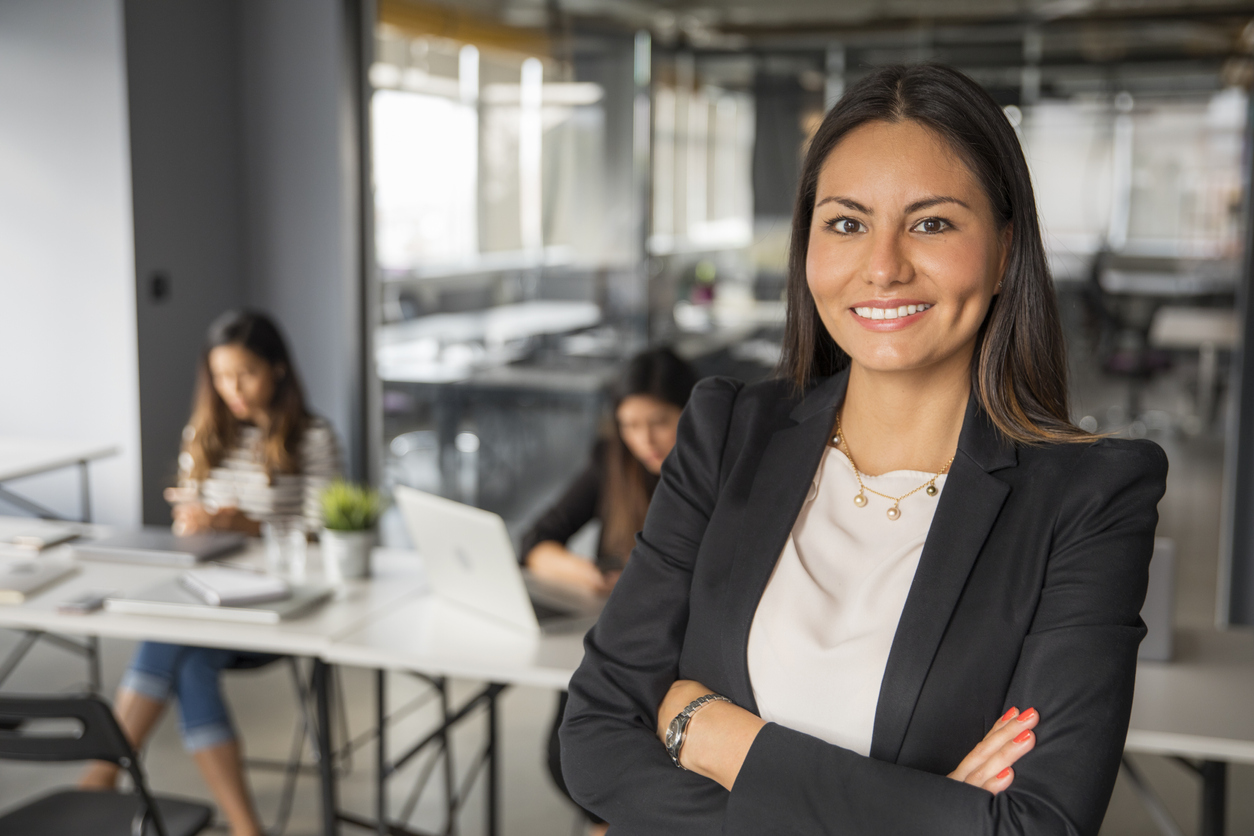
[1077, 666]
[612, 761]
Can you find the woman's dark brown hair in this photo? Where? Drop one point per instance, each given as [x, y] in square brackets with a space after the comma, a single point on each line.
[1019, 369]
[213, 430]
[657, 373]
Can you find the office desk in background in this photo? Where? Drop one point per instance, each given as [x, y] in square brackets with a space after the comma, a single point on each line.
[22, 457]
[385, 622]
[1196, 709]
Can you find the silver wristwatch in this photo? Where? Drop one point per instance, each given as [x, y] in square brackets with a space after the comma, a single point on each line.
[675, 731]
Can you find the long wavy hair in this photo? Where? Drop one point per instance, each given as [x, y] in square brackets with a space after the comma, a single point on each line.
[628, 488]
[213, 430]
[1019, 368]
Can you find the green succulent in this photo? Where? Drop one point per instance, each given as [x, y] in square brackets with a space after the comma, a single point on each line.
[349, 507]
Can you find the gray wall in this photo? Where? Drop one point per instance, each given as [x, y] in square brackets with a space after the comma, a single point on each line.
[245, 156]
[68, 342]
[300, 129]
[183, 74]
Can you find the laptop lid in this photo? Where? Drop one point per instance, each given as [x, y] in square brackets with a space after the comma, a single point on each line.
[469, 557]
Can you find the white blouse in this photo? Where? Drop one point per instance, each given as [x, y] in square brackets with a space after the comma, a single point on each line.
[240, 479]
[823, 629]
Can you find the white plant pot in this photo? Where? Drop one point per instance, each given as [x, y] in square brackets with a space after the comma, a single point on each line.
[346, 554]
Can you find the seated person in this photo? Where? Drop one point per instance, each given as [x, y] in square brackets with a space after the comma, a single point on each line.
[615, 489]
[250, 452]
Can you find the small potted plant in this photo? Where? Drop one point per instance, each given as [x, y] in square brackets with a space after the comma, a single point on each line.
[350, 514]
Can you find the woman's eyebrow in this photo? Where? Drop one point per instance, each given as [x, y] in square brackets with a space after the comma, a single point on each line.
[929, 202]
[846, 202]
[925, 203]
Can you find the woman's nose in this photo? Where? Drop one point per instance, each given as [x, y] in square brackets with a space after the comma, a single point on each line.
[887, 263]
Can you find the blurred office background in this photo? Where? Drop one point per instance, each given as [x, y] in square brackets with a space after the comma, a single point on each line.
[468, 214]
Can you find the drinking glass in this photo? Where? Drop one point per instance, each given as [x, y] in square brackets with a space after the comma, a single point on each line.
[285, 546]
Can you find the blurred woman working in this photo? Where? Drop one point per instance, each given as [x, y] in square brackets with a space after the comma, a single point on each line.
[615, 489]
[251, 453]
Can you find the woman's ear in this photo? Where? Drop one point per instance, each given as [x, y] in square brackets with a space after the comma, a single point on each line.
[280, 371]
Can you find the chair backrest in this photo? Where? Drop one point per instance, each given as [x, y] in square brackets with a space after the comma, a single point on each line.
[98, 739]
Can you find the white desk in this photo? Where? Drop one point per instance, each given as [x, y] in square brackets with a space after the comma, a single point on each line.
[1196, 707]
[385, 622]
[428, 635]
[397, 576]
[438, 639]
[20, 457]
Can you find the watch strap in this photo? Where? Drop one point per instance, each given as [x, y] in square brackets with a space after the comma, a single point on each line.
[678, 728]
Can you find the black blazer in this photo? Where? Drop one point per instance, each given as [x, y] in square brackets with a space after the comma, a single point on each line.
[1028, 593]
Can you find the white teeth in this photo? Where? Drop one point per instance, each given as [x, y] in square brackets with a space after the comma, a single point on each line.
[868, 312]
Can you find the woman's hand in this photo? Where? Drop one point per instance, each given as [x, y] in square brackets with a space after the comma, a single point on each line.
[718, 736]
[989, 764]
[231, 518]
[191, 518]
[550, 561]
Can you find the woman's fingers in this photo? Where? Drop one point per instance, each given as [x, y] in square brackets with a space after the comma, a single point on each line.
[989, 763]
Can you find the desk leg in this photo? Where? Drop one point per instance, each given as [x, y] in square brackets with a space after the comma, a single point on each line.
[494, 768]
[326, 755]
[85, 487]
[1214, 797]
[93, 664]
[381, 761]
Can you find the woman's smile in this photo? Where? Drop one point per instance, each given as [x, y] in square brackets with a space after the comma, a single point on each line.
[889, 314]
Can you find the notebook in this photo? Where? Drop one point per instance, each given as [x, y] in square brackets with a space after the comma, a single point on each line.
[20, 579]
[154, 544]
[171, 598]
[34, 535]
[223, 586]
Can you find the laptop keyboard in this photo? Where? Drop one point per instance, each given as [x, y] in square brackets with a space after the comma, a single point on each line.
[546, 613]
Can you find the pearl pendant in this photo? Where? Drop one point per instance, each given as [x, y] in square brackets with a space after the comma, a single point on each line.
[931, 490]
[860, 500]
[894, 513]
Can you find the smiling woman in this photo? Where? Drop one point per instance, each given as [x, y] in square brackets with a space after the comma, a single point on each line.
[853, 578]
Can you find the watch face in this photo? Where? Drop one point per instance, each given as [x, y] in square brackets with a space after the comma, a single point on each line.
[670, 735]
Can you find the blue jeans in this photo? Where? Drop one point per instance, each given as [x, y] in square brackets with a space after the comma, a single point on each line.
[192, 675]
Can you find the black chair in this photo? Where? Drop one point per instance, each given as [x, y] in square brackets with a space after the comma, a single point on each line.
[98, 737]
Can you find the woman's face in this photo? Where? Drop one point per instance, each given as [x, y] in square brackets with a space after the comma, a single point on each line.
[647, 426]
[905, 253]
[244, 381]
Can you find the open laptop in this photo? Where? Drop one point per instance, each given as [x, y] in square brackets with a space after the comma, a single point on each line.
[470, 561]
[157, 544]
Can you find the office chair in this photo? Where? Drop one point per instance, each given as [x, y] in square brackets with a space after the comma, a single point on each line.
[73, 812]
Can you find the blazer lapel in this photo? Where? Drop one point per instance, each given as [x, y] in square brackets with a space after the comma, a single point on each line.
[780, 484]
[968, 507]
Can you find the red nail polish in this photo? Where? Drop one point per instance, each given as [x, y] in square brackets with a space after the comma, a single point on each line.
[1005, 773]
[1027, 715]
[1008, 714]
[1024, 737]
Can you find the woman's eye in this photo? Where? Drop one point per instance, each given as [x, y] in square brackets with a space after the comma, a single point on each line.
[846, 226]
[931, 226]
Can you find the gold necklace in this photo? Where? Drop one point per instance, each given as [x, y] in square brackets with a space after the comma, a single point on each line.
[894, 513]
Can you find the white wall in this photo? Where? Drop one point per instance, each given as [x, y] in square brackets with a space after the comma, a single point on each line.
[68, 358]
